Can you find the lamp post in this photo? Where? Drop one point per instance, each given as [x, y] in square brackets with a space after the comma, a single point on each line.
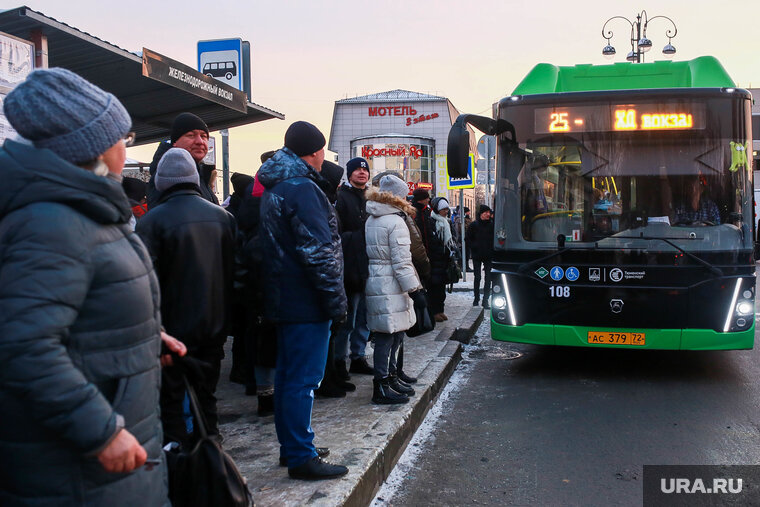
[640, 44]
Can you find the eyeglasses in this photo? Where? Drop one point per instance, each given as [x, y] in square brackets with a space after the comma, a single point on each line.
[129, 139]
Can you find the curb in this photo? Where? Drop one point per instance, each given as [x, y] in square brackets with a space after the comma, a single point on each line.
[468, 325]
[379, 470]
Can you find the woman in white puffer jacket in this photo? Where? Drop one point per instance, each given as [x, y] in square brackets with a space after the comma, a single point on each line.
[392, 280]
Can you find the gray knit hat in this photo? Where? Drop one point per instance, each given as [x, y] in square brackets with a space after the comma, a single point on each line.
[393, 184]
[63, 112]
[175, 167]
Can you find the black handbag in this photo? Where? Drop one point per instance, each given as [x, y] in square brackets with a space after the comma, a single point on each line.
[204, 476]
[425, 321]
[453, 271]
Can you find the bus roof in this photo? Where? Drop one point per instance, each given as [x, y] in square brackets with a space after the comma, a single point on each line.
[701, 72]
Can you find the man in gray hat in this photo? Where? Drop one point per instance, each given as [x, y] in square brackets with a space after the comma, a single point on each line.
[192, 244]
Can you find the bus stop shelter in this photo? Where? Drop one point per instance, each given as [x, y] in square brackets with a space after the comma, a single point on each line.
[152, 104]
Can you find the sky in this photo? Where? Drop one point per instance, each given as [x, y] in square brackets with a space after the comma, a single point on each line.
[305, 55]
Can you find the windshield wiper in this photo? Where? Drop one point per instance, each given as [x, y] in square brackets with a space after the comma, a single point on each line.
[714, 270]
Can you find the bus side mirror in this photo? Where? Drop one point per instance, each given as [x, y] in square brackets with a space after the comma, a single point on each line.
[458, 150]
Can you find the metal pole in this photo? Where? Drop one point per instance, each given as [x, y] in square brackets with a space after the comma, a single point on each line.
[464, 247]
[225, 163]
[488, 175]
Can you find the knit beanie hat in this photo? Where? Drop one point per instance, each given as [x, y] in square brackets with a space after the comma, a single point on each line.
[184, 123]
[303, 138]
[420, 194]
[394, 185]
[483, 208]
[175, 167]
[354, 164]
[441, 203]
[66, 114]
[240, 182]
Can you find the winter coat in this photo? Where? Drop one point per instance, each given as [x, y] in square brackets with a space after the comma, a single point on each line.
[419, 254]
[480, 239]
[204, 174]
[303, 265]
[352, 215]
[391, 273]
[79, 337]
[192, 244]
[436, 250]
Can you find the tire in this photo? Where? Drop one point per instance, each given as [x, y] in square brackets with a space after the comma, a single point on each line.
[228, 76]
[210, 75]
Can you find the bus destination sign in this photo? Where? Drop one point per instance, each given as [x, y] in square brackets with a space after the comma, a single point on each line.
[624, 117]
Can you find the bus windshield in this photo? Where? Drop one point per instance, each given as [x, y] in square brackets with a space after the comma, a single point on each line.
[627, 189]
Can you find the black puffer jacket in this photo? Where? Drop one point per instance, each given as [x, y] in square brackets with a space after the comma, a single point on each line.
[303, 264]
[204, 174]
[192, 244]
[79, 337]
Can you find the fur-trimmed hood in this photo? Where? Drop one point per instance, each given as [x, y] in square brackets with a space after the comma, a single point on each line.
[385, 203]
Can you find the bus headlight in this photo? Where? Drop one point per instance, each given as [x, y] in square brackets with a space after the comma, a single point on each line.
[744, 308]
[499, 302]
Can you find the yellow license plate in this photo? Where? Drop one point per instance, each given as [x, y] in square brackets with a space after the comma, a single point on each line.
[616, 338]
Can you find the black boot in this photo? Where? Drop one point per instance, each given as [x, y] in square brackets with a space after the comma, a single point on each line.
[322, 452]
[346, 386]
[361, 366]
[383, 393]
[328, 389]
[341, 372]
[315, 470]
[401, 387]
[406, 378]
[400, 367]
[266, 405]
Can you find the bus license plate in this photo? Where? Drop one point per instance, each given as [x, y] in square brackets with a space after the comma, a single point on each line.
[615, 338]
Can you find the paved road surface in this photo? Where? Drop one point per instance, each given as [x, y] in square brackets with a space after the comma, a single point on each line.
[565, 426]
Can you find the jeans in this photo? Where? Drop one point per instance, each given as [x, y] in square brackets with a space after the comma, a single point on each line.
[301, 357]
[487, 278]
[354, 330]
[384, 356]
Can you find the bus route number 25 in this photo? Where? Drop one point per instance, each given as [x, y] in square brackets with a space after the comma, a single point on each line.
[559, 291]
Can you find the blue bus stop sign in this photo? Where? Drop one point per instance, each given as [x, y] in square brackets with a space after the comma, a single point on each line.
[223, 60]
[466, 182]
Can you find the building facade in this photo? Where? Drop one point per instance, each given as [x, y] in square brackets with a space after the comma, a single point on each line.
[397, 130]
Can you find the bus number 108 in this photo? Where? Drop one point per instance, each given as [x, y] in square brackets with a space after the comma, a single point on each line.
[559, 291]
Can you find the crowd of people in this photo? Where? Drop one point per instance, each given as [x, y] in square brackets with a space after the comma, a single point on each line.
[117, 294]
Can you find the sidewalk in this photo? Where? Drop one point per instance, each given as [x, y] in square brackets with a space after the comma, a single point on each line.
[365, 437]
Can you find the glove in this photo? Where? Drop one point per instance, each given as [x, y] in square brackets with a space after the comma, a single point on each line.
[338, 320]
[419, 298]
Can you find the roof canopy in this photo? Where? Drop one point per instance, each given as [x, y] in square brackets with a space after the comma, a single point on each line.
[151, 104]
[702, 72]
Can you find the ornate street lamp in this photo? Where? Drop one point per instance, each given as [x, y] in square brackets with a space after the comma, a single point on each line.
[640, 44]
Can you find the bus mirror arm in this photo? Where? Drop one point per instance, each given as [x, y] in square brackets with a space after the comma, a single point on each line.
[458, 149]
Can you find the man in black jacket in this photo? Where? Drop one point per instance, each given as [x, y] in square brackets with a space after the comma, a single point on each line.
[192, 244]
[480, 237]
[352, 215]
[189, 133]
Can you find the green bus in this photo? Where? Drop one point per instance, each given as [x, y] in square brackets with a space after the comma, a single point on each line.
[623, 207]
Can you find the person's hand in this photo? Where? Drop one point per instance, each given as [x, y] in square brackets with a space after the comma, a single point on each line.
[338, 320]
[174, 345]
[123, 454]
